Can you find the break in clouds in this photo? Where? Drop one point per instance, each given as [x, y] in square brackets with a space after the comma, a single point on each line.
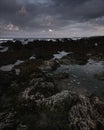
[51, 18]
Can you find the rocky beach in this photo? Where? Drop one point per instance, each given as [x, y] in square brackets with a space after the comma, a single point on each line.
[52, 84]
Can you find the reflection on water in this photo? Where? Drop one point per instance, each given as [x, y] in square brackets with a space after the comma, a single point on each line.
[11, 66]
[92, 67]
[60, 55]
[3, 49]
[82, 76]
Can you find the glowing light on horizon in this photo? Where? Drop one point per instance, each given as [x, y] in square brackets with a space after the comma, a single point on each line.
[50, 30]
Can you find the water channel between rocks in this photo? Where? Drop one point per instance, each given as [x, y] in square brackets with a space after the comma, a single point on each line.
[82, 77]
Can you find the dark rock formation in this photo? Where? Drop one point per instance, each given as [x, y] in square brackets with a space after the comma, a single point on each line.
[67, 111]
[79, 112]
[49, 65]
[34, 99]
[8, 121]
[39, 89]
[41, 106]
[61, 75]
[99, 76]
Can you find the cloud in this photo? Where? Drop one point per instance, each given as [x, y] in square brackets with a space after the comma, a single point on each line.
[42, 15]
[22, 11]
[11, 27]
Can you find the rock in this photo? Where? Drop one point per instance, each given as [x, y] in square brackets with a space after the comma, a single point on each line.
[61, 75]
[6, 78]
[80, 115]
[99, 76]
[22, 127]
[80, 112]
[58, 102]
[72, 59]
[39, 89]
[29, 66]
[7, 121]
[65, 110]
[29, 97]
[49, 65]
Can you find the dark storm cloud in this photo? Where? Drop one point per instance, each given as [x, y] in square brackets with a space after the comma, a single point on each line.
[80, 9]
[44, 14]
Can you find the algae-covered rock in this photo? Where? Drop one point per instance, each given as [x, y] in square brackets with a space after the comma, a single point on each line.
[65, 110]
[49, 65]
[80, 112]
[60, 76]
[99, 76]
[39, 89]
[7, 121]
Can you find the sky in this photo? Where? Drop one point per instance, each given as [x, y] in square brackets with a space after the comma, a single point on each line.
[51, 18]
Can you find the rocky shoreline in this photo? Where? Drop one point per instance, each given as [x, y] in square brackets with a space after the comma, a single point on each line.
[42, 85]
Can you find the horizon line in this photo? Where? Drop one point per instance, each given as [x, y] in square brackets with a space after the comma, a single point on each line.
[50, 37]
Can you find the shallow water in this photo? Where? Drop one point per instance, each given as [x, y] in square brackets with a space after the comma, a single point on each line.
[10, 66]
[83, 76]
[60, 55]
[3, 49]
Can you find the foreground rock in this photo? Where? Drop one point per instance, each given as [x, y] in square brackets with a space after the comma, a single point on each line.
[65, 110]
[40, 107]
[39, 89]
[77, 112]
